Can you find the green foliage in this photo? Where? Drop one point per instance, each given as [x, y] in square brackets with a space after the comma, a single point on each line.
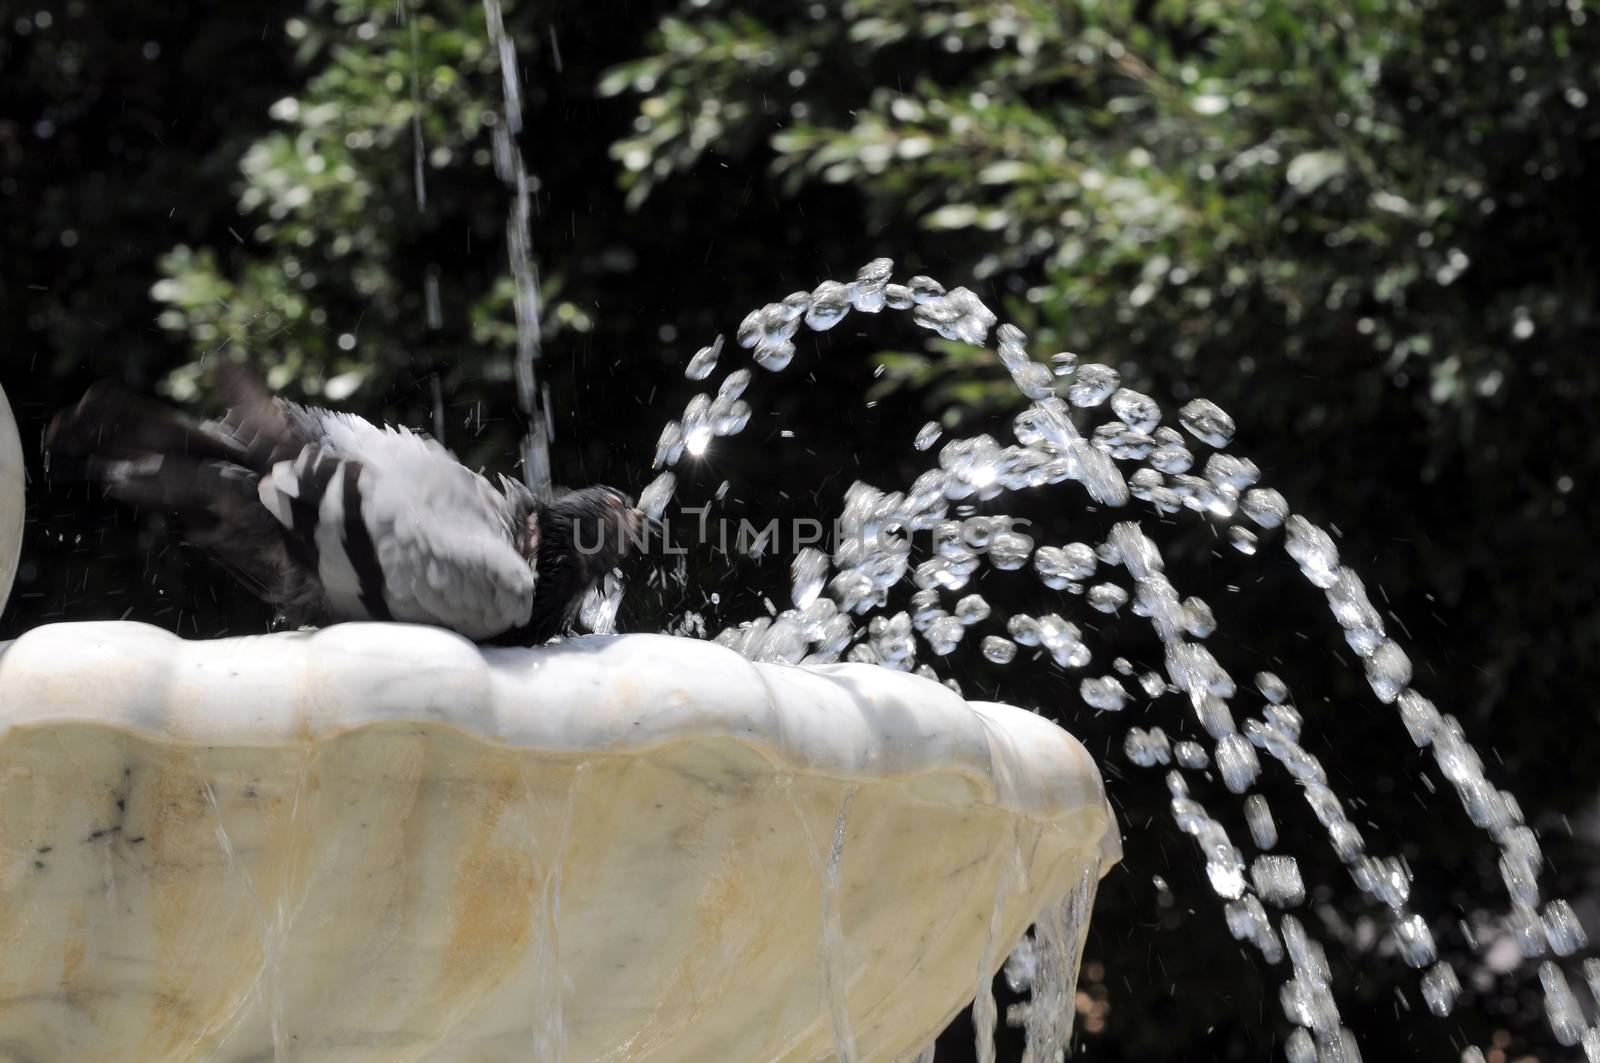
[1189, 182]
[399, 110]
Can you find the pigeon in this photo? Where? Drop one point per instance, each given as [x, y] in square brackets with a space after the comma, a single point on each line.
[328, 517]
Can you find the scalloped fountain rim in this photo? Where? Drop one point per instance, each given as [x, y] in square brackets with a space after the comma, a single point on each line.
[580, 696]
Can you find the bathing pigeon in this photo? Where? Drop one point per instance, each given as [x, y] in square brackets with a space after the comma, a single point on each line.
[329, 517]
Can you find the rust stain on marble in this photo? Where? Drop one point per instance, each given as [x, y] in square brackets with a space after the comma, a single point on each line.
[491, 898]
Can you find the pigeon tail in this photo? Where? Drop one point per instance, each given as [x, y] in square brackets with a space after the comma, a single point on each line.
[152, 457]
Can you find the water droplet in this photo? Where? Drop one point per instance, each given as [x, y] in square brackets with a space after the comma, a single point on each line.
[1103, 692]
[972, 609]
[943, 635]
[669, 448]
[1566, 1016]
[958, 315]
[1025, 629]
[1562, 928]
[1258, 816]
[1198, 619]
[1227, 470]
[1236, 761]
[1107, 597]
[1009, 550]
[1093, 384]
[1173, 458]
[1415, 941]
[775, 358]
[999, 650]
[1078, 560]
[1265, 506]
[830, 301]
[1313, 548]
[1137, 410]
[1422, 720]
[866, 294]
[1047, 423]
[1272, 688]
[1277, 881]
[809, 571]
[1528, 929]
[1098, 474]
[1207, 422]
[733, 420]
[704, 361]
[1226, 875]
[654, 498]
[1440, 987]
[733, 386]
[1034, 381]
[750, 330]
[1122, 442]
[1011, 344]
[1146, 748]
[927, 435]
[1299, 1048]
[1388, 670]
[1055, 569]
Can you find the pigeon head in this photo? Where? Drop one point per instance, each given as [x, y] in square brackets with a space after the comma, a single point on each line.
[578, 538]
[600, 524]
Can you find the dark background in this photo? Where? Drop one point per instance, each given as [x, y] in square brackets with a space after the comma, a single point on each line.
[1367, 233]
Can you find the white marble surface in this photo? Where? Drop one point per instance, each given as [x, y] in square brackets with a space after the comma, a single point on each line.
[380, 842]
[12, 507]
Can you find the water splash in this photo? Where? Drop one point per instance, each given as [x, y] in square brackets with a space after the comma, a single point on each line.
[841, 609]
[597, 612]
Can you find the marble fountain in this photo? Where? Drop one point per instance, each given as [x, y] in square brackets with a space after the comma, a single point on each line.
[381, 842]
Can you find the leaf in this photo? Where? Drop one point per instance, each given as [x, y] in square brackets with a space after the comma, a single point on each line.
[1313, 169]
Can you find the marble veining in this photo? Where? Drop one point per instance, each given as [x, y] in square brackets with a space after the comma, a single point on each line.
[380, 842]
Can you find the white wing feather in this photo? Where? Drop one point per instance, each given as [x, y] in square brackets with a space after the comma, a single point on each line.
[442, 534]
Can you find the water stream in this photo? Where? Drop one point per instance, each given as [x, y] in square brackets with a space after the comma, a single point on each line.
[1084, 439]
[512, 170]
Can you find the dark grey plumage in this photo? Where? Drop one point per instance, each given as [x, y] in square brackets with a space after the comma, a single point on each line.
[329, 517]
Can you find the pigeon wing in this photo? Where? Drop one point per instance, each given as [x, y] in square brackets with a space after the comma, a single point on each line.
[401, 530]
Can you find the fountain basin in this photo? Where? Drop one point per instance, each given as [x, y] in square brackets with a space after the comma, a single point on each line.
[381, 842]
